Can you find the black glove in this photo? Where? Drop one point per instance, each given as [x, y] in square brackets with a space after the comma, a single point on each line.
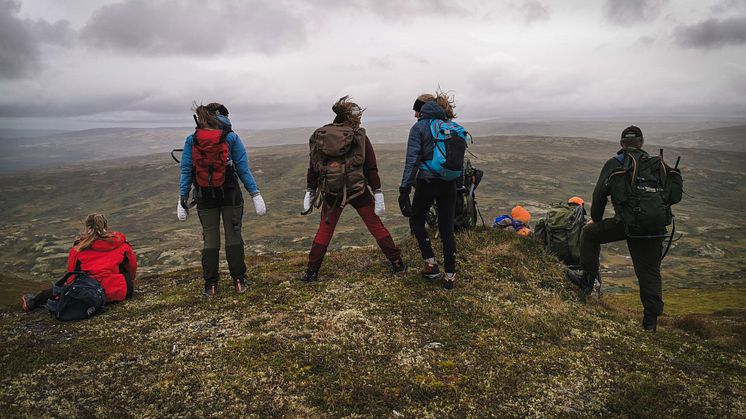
[404, 205]
[183, 201]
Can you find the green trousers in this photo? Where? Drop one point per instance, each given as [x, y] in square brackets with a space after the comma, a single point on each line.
[227, 205]
[646, 258]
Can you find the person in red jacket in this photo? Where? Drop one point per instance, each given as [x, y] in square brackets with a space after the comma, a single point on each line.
[104, 255]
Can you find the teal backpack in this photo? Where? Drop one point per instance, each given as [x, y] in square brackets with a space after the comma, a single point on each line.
[449, 148]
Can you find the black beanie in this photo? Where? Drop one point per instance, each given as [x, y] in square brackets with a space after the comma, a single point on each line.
[631, 132]
[417, 105]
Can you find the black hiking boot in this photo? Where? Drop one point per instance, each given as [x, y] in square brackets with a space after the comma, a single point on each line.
[399, 267]
[239, 284]
[583, 280]
[449, 281]
[309, 276]
[27, 302]
[211, 290]
[649, 323]
[430, 271]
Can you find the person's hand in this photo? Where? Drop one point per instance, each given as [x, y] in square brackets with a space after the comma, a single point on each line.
[308, 200]
[404, 205]
[181, 209]
[259, 205]
[589, 222]
[380, 207]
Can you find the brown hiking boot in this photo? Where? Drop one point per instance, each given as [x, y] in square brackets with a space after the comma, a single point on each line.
[430, 271]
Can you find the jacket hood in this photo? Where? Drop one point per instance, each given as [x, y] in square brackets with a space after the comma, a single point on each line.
[431, 110]
[109, 244]
[225, 121]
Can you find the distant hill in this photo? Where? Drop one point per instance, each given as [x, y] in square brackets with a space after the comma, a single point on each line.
[59, 149]
[513, 339]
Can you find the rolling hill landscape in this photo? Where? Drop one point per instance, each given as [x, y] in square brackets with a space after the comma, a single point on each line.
[513, 319]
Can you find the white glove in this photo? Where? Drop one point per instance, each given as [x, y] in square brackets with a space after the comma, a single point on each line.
[308, 200]
[259, 206]
[181, 212]
[380, 206]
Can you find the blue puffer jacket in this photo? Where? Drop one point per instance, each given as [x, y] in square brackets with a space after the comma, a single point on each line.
[236, 153]
[420, 144]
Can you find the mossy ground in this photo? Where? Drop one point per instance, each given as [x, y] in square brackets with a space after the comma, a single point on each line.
[513, 339]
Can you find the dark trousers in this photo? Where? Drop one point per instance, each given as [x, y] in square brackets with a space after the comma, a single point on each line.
[211, 206]
[646, 258]
[330, 217]
[442, 193]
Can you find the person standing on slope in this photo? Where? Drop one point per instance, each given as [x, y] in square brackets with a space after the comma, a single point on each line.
[214, 160]
[343, 170]
[432, 166]
[104, 255]
[642, 190]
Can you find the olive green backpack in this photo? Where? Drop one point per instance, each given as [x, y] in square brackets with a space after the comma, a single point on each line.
[642, 191]
[560, 230]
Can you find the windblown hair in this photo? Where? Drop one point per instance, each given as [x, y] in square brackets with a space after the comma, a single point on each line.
[96, 228]
[426, 97]
[347, 111]
[446, 101]
[207, 115]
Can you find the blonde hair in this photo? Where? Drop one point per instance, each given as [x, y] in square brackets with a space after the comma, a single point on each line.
[426, 97]
[206, 116]
[96, 228]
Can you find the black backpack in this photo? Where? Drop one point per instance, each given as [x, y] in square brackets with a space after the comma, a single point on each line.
[466, 210]
[642, 192]
[81, 299]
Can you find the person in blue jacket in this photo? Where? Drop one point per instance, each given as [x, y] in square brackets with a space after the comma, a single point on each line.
[429, 188]
[214, 160]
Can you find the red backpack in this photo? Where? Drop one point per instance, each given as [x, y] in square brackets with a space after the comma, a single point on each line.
[210, 158]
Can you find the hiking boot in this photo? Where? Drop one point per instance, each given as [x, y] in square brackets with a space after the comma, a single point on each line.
[309, 276]
[239, 284]
[430, 271]
[449, 281]
[597, 287]
[399, 267]
[649, 323]
[211, 290]
[583, 280]
[27, 302]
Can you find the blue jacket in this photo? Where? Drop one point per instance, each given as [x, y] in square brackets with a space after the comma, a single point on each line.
[236, 154]
[420, 144]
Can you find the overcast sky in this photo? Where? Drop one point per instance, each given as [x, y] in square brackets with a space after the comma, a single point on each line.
[82, 64]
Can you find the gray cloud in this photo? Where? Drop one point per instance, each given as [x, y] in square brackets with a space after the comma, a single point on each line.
[632, 12]
[20, 41]
[533, 11]
[195, 27]
[712, 33]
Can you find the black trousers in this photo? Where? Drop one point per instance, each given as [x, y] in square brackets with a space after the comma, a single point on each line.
[444, 194]
[646, 258]
[211, 207]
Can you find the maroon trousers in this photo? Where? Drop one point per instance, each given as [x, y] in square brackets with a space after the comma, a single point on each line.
[366, 209]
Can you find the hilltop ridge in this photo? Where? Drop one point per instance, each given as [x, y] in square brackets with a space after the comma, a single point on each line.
[513, 339]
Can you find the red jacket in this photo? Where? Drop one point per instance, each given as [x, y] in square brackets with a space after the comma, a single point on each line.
[107, 261]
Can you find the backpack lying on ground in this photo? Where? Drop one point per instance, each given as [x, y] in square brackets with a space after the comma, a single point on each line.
[560, 230]
[642, 192]
[466, 200]
[338, 155]
[80, 299]
[449, 148]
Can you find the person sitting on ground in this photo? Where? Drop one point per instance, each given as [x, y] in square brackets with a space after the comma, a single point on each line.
[104, 255]
[344, 144]
[517, 221]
